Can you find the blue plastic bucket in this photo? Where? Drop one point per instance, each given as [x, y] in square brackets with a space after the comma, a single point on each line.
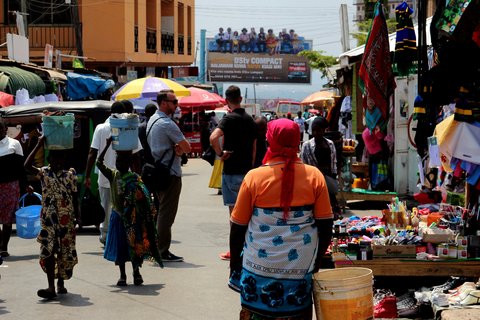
[28, 219]
[124, 133]
[58, 131]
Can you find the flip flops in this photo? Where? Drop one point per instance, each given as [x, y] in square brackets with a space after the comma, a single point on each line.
[46, 294]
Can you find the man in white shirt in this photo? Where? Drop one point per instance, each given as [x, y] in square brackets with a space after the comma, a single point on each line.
[220, 40]
[228, 37]
[101, 134]
[301, 124]
[309, 122]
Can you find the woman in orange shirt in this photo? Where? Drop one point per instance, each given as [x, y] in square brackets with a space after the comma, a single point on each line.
[282, 221]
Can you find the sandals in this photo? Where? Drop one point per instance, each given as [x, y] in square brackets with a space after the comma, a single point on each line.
[122, 282]
[473, 297]
[46, 294]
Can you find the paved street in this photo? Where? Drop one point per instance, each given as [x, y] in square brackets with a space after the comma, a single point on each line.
[194, 289]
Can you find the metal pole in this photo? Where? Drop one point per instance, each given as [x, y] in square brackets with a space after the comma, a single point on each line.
[23, 9]
[201, 67]
[77, 26]
[254, 94]
[422, 44]
[345, 33]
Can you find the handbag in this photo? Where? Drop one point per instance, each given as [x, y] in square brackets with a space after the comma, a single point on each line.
[157, 176]
[209, 155]
[91, 210]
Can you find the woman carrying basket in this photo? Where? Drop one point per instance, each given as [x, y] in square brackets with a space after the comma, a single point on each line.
[58, 254]
[282, 221]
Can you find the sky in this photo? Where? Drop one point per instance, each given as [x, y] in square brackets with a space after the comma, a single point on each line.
[317, 20]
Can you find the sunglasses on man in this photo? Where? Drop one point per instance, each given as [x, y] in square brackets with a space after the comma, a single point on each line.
[174, 101]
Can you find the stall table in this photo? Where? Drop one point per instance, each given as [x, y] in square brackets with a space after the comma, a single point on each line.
[420, 268]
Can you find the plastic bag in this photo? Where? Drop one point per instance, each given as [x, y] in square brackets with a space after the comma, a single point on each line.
[91, 210]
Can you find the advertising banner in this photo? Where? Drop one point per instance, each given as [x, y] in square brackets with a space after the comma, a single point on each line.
[257, 67]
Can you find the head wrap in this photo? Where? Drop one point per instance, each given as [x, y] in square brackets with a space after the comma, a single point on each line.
[283, 138]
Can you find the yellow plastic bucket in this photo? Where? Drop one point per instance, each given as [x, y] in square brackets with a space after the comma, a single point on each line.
[344, 293]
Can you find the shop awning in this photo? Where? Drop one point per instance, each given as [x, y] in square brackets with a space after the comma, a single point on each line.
[82, 86]
[52, 74]
[14, 78]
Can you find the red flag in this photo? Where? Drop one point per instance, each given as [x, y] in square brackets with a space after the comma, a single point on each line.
[376, 67]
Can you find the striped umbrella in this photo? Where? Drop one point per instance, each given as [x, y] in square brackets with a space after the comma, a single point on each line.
[148, 88]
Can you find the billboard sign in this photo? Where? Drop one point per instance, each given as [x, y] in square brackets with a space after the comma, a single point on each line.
[264, 56]
[255, 67]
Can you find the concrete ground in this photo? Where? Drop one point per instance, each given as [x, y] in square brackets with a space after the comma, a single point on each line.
[195, 289]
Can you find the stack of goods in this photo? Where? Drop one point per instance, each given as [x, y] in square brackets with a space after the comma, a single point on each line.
[432, 233]
[348, 147]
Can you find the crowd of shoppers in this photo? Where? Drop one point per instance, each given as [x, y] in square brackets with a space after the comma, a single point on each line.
[263, 181]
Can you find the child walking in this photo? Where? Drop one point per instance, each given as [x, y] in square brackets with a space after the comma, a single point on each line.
[131, 232]
[58, 255]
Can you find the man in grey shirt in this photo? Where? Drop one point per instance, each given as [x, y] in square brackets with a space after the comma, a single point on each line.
[166, 141]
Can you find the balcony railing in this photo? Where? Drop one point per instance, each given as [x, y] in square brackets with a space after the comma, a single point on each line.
[59, 36]
[151, 40]
[168, 42]
[181, 44]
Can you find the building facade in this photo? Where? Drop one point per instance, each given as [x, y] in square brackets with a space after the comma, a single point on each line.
[126, 37]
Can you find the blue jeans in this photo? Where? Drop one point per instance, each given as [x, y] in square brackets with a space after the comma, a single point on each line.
[230, 187]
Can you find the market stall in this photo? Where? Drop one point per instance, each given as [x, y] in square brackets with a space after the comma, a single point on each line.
[436, 103]
[196, 122]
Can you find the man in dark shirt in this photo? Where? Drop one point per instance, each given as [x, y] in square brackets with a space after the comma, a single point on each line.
[239, 133]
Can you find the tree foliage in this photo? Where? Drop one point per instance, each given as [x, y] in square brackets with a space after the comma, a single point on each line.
[364, 27]
[319, 61]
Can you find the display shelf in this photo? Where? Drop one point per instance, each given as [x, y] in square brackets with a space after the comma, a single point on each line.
[420, 268]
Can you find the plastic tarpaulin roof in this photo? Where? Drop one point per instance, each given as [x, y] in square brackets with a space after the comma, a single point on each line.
[77, 107]
[14, 78]
[82, 86]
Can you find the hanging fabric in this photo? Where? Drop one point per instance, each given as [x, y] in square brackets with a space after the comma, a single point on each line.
[376, 67]
[406, 40]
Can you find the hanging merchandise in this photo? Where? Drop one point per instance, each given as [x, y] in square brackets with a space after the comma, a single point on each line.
[433, 152]
[345, 121]
[452, 14]
[379, 175]
[463, 107]
[406, 40]
[376, 67]
[476, 35]
[419, 110]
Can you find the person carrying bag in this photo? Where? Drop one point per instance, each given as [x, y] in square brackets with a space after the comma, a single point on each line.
[156, 176]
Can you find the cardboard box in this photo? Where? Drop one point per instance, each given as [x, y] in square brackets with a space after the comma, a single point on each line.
[462, 252]
[437, 235]
[389, 251]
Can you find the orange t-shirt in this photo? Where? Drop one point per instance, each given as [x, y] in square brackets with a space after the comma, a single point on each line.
[261, 187]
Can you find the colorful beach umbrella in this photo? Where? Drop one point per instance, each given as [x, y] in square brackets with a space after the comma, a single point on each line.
[201, 98]
[148, 88]
[322, 98]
